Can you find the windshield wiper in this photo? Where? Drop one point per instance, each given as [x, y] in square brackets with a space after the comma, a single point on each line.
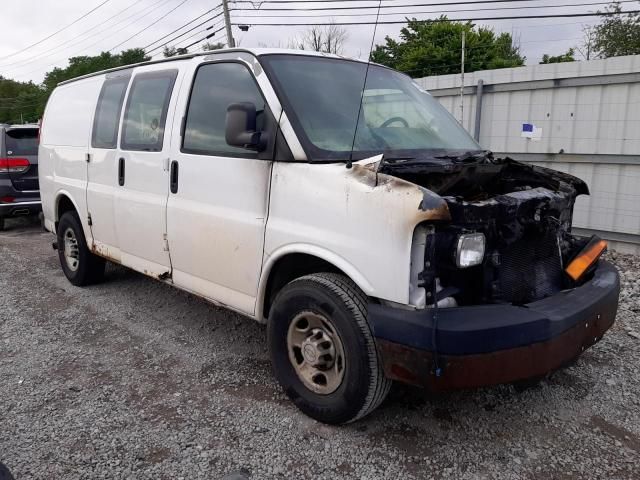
[468, 157]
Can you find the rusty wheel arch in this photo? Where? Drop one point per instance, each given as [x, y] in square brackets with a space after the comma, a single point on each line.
[288, 268]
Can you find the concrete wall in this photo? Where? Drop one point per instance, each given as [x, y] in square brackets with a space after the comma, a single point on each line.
[587, 121]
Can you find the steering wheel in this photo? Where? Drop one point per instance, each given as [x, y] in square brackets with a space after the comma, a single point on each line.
[395, 119]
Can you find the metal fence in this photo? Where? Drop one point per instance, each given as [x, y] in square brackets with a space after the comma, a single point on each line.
[578, 117]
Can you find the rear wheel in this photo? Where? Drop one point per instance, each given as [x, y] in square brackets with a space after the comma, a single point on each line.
[1, 224]
[322, 349]
[80, 266]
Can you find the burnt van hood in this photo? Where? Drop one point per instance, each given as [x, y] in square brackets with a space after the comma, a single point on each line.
[501, 195]
[474, 177]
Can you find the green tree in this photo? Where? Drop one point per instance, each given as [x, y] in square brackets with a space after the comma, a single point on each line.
[85, 65]
[173, 51]
[27, 101]
[615, 35]
[433, 47]
[565, 57]
[19, 101]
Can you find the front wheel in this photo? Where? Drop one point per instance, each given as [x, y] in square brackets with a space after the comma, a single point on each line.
[322, 349]
[80, 266]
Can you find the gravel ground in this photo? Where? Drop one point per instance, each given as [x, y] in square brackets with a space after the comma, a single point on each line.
[135, 379]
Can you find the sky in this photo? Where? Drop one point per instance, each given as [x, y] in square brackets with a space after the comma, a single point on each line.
[41, 34]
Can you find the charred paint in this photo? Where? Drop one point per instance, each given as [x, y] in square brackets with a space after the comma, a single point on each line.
[430, 206]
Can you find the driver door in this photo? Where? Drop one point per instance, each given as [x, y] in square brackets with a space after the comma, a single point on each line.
[219, 195]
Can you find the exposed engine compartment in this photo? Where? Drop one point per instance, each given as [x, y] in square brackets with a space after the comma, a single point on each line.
[525, 213]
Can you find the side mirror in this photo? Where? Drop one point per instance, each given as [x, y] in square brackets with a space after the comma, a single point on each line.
[240, 127]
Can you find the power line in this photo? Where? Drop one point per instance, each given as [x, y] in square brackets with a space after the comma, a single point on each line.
[522, 7]
[395, 22]
[309, 1]
[150, 52]
[86, 47]
[205, 38]
[180, 28]
[182, 34]
[57, 31]
[112, 33]
[151, 25]
[412, 5]
[90, 30]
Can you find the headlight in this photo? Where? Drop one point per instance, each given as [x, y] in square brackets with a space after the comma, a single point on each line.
[470, 250]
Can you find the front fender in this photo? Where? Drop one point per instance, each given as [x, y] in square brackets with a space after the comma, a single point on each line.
[355, 218]
[314, 250]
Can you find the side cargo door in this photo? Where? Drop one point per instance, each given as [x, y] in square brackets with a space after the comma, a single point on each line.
[218, 203]
[142, 163]
[102, 172]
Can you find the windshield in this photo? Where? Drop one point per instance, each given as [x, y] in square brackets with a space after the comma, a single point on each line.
[21, 141]
[398, 118]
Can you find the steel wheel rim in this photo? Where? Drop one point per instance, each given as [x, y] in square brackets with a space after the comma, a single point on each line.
[71, 249]
[316, 352]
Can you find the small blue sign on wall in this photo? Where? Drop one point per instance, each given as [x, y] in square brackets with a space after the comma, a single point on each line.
[530, 131]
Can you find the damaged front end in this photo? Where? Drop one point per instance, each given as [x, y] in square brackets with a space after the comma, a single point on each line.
[524, 213]
[506, 308]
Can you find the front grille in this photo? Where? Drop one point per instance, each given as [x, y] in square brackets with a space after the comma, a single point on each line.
[530, 269]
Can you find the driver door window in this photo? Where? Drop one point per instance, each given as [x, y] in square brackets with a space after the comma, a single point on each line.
[216, 86]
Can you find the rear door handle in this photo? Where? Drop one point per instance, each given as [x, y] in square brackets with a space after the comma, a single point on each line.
[173, 177]
[121, 172]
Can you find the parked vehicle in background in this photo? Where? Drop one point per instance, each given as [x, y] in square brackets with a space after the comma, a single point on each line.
[19, 191]
[371, 233]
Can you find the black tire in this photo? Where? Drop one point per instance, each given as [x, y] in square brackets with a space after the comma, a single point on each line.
[5, 474]
[363, 386]
[1, 224]
[90, 267]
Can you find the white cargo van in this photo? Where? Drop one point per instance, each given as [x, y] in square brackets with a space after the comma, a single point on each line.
[371, 233]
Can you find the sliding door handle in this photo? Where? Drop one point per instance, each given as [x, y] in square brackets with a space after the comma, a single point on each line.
[121, 172]
[173, 177]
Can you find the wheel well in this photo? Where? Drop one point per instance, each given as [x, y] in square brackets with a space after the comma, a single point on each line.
[290, 267]
[64, 205]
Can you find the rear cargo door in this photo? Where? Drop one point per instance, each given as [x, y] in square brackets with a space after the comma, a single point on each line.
[22, 142]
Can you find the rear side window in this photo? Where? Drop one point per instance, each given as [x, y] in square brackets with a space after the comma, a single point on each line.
[21, 141]
[215, 87]
[146, 112]
[107, 117]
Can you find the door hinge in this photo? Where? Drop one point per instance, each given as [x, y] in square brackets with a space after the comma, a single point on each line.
[89, 221]
[88, 157]
[166, 242]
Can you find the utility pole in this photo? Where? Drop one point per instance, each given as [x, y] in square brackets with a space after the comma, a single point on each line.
[462, 80]
[227, 23]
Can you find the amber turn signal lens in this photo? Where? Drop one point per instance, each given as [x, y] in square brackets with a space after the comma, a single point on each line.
[586, 258]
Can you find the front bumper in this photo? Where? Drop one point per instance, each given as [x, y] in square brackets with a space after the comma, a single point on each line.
[492, 344]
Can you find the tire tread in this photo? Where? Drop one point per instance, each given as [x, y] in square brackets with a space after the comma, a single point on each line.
[355, 300]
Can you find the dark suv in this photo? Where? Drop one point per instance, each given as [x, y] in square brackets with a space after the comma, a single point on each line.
[19, 190]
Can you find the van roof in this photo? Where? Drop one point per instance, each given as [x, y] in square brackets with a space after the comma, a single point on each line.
[254, 51]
